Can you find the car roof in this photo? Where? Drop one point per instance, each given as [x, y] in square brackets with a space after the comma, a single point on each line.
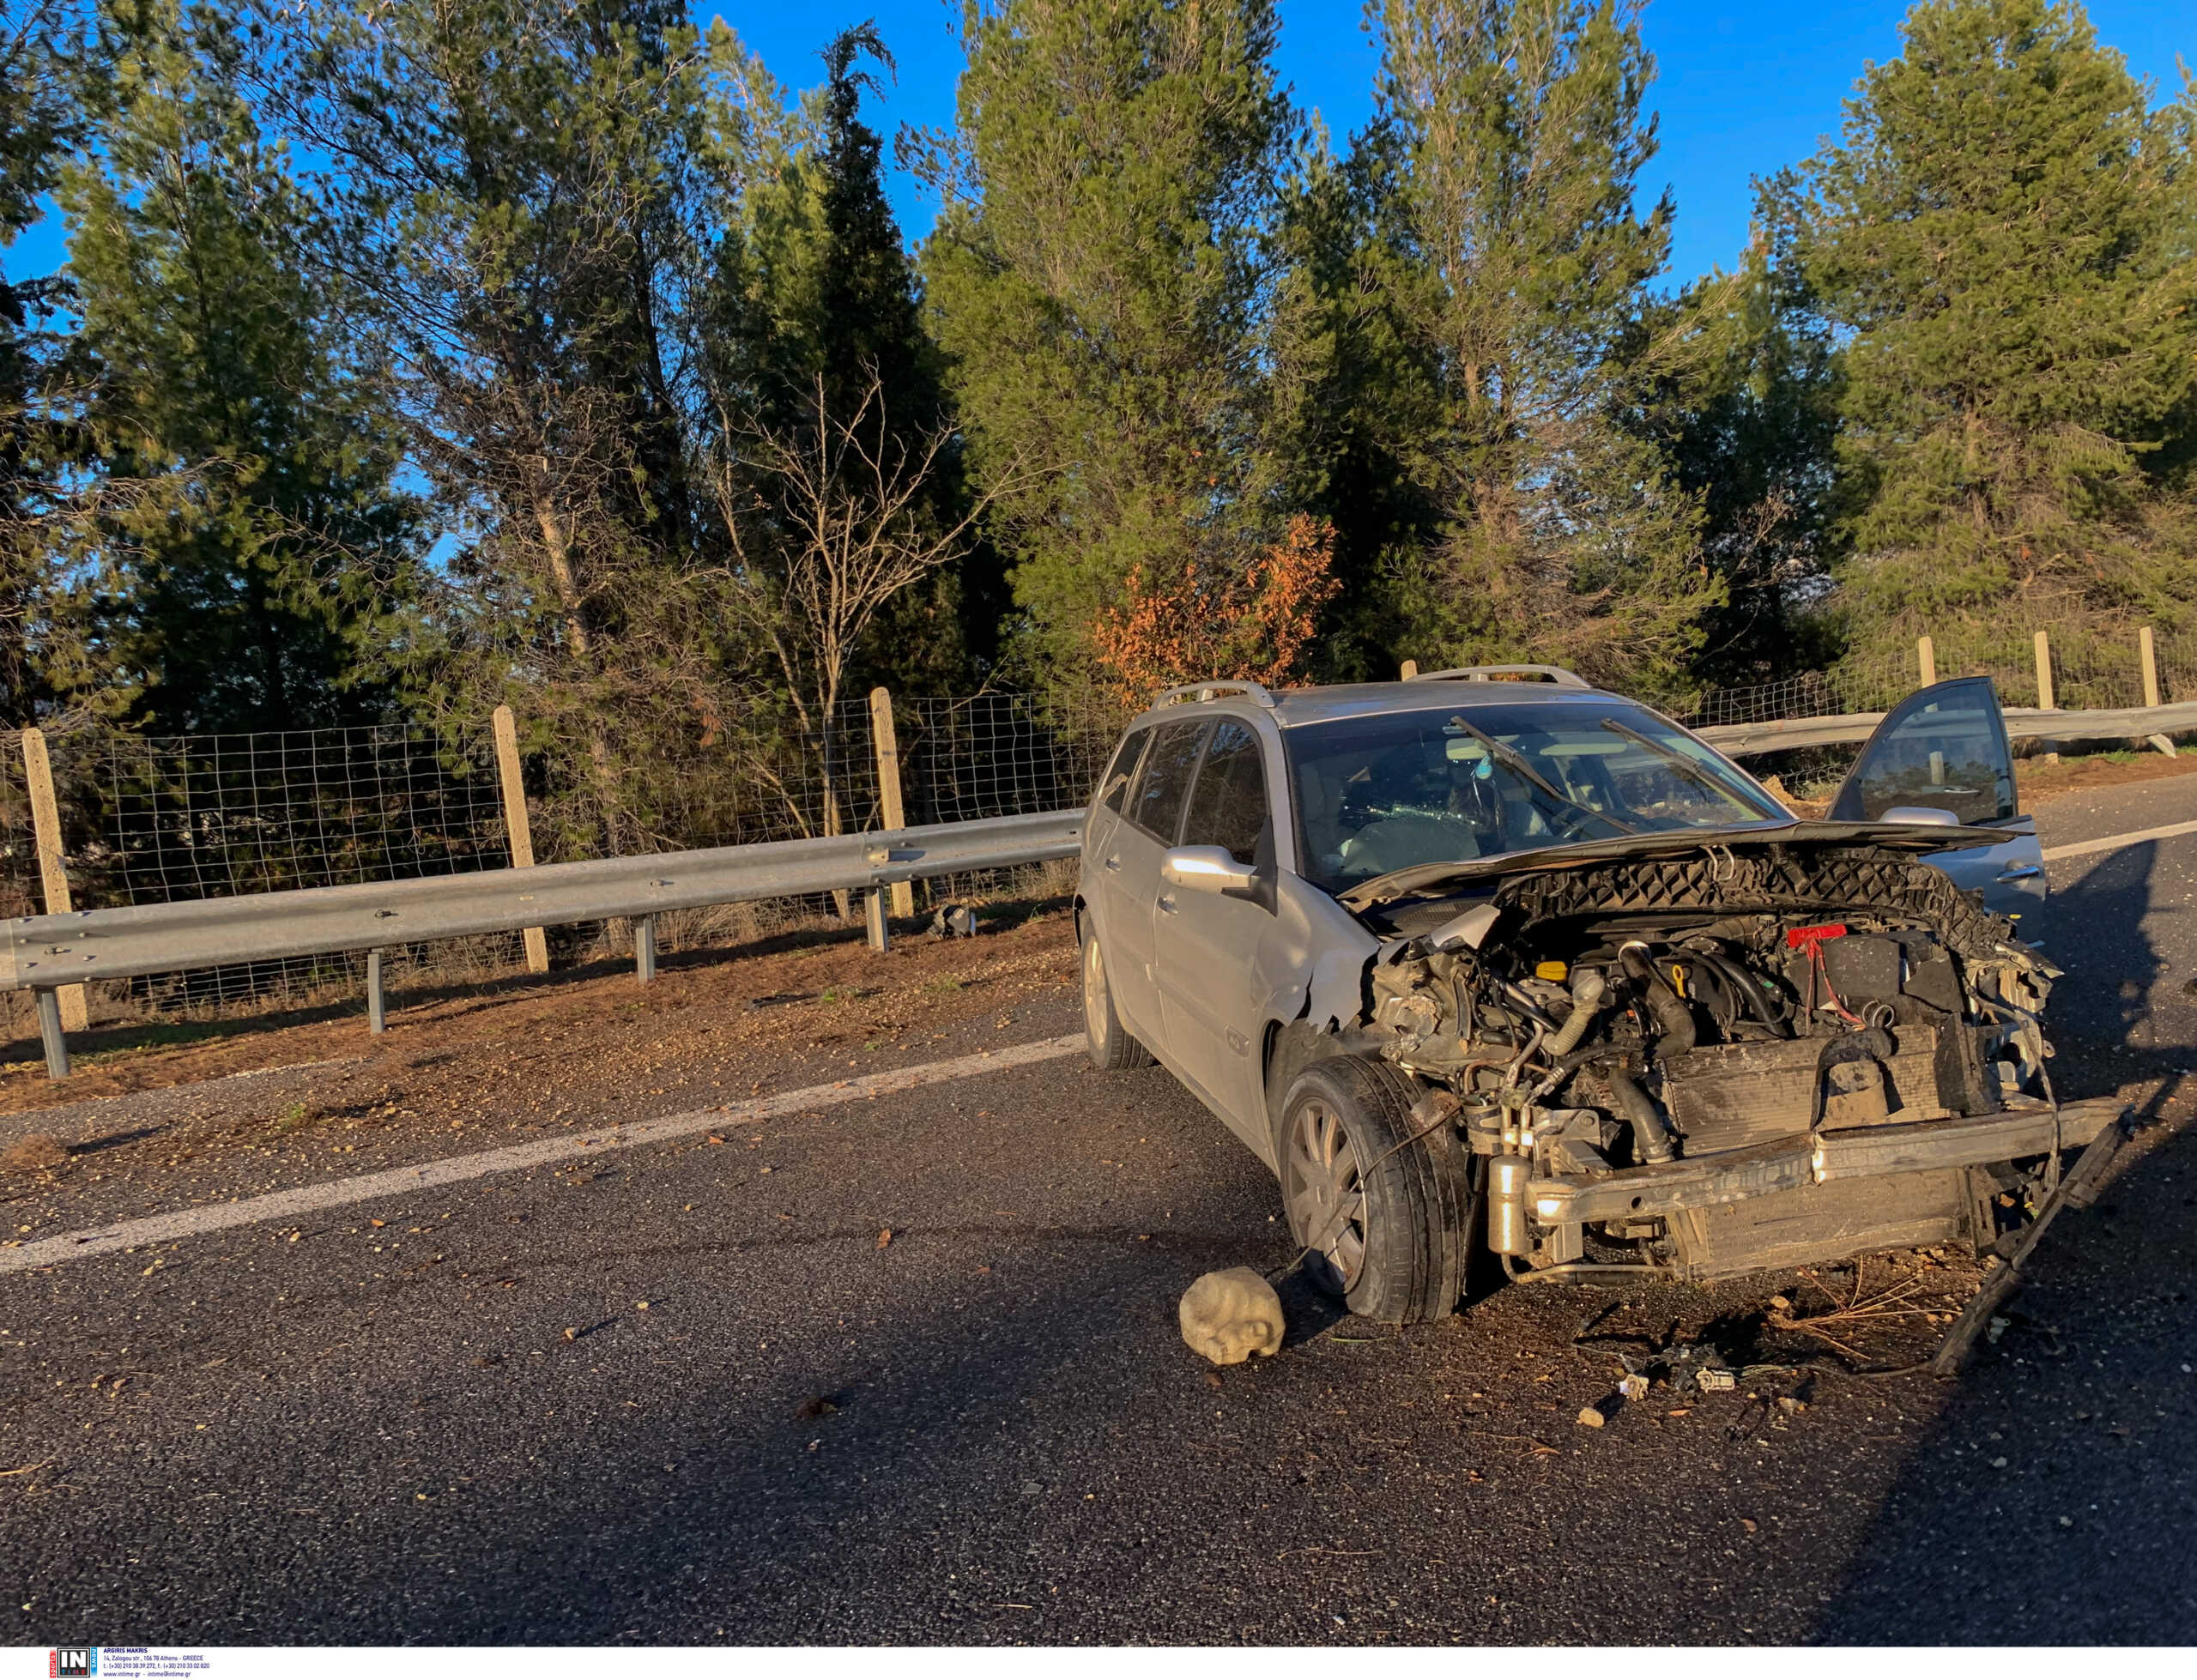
[1293, 707]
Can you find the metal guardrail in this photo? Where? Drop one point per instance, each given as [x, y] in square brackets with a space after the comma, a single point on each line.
[43, 952]
[1744, 741]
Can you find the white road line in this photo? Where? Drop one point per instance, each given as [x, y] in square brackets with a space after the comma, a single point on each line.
[2114, 843]
[454, 1169]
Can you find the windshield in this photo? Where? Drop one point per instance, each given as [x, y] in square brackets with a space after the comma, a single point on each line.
[1452, 784]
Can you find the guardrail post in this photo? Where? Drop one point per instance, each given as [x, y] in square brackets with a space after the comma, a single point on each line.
[377, 1013]
[517, 827]
[2148, 649]
[881, 937]
[45, 824]
[49, 1029]
[1408, 670]
[1925, 659]
[888, 790]
[644, 949]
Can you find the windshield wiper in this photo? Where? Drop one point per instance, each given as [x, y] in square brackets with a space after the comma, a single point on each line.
[1515, 761]
[1671, 756]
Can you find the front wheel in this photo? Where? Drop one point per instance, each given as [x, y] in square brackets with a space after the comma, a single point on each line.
[1386, 1217]
[1106, 1039]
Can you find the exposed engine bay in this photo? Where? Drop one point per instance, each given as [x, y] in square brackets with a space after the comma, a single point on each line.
[1676, 1024]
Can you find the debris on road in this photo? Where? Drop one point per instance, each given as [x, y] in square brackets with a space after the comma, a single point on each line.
[38, 1152]
[954, 922]
[2078, 1188]
[1228, 1316]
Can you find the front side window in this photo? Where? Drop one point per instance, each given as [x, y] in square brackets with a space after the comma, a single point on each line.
[1165, 783]
[1450, 785]
[1229, 806]
[1944, 747]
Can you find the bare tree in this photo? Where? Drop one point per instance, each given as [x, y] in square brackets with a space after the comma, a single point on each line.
[830, 516]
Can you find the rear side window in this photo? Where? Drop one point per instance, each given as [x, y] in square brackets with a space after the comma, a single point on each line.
[1229, 806]
[1165, 783]
[1114, 785]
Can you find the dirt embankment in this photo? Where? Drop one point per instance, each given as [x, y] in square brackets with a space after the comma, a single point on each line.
[593, 1029]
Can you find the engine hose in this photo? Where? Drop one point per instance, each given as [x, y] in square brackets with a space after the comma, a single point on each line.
[1748, 990]
[1650, 1128]
[1587, 990]
[1669, 1008]
[1524, 1000]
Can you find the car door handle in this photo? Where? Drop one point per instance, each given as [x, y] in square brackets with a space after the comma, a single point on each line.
[1167, 904]
[1114, 861]
[2020, 872]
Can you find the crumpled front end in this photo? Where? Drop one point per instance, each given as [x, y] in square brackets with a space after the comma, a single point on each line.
[1731, 1060]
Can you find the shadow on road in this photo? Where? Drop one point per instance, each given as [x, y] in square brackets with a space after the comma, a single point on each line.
[2052, 1502]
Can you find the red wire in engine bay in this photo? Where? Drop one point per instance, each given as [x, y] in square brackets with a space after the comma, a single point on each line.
[1811, 941]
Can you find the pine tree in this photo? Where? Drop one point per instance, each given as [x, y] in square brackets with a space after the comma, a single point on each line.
[1504, 244]
[1099, 278]
[1748, 426]
[2005, 233]
[255, 587]
[40, 634]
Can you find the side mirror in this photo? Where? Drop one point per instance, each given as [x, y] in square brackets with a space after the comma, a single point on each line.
[1212, 869]
[1923, 816]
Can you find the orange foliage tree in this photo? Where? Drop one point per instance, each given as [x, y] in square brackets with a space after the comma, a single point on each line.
[1206, 621]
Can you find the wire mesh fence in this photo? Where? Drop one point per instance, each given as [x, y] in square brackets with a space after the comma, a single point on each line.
[159, 819]
[2090, 672]
[1858, 684]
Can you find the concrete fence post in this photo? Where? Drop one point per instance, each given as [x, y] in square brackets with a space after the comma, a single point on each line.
[1410, 670]
[1926, 658]
[53, 873]
[517, 826]
[892, 813]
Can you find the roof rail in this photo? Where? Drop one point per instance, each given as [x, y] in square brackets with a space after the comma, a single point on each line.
[1555, 673]
[1211, 690]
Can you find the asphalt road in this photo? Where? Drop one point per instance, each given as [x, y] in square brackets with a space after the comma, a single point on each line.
[461, 1423]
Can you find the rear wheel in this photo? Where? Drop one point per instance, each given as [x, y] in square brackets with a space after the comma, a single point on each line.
[1109, 1042]
[1387, 1217]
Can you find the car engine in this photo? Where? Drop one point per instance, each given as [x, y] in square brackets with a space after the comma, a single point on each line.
[1589, 1020]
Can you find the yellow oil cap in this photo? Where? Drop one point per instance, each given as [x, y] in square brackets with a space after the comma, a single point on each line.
[1552, 970]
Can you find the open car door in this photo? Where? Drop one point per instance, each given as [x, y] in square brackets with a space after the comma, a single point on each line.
[1942, 755]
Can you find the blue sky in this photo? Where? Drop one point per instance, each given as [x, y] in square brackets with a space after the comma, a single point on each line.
[1741, 89]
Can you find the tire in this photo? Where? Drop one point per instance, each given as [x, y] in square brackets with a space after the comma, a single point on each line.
[1111, 1047]
[1401, 1256]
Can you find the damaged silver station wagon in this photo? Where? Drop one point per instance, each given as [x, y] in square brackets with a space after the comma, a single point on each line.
[1491, 955]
